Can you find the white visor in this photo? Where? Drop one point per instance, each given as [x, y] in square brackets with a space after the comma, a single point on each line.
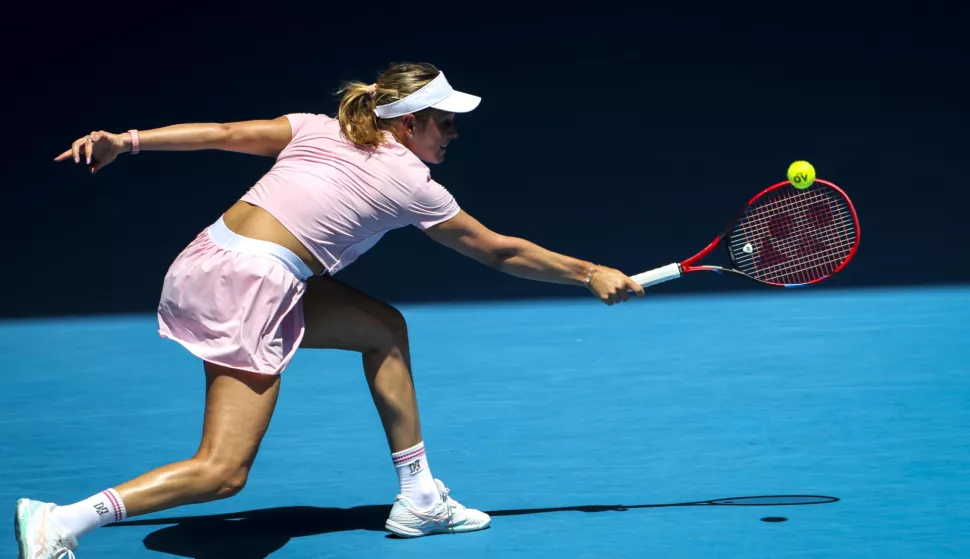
[438, 94]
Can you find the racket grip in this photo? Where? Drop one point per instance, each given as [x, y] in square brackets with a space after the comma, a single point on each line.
[658, 275]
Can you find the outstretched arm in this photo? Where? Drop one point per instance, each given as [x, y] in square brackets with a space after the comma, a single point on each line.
[524, 259]
[255, 137]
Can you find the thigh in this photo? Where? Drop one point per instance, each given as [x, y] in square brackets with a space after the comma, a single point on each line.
[339, 316]
[238, 408]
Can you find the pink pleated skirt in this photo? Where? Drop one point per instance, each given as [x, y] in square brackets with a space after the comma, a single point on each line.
[235, 301]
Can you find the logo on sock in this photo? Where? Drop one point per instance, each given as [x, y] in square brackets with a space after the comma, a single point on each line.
[415, 467]
[101, 509]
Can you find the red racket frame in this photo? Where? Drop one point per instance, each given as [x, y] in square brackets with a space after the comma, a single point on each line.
[688, 265]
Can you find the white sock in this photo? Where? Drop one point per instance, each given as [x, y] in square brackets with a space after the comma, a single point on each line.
[94, 512]
[413, 472]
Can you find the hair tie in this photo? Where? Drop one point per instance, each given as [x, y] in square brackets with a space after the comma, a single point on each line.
[372, 90]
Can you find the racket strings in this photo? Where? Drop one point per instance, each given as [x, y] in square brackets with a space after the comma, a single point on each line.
[791, 236]
[825, 249]
[799, 257]
[792, 252]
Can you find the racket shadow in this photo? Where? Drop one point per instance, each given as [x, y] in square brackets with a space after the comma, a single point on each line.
[759, 501]
[256, 534]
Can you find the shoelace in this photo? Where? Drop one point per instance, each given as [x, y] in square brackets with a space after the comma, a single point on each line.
[65, 552]
[448, 506]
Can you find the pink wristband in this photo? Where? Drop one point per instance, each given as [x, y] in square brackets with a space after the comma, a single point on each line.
[134, 141]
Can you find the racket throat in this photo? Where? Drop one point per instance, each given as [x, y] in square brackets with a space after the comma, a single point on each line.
[706, 268]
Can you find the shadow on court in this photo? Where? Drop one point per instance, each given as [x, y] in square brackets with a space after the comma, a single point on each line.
[256, 534]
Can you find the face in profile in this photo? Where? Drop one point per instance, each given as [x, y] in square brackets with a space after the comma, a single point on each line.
[431, 135]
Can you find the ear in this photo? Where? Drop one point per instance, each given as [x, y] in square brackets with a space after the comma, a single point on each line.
[407, 121]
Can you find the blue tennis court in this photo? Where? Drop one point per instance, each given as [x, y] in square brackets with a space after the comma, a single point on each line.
[585, 430]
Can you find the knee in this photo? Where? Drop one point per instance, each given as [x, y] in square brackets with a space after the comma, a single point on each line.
[397, 325]
[394, 330]
[223, 479]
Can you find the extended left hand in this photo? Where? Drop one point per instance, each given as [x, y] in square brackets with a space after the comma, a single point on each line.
[97, 149]
[613, 286]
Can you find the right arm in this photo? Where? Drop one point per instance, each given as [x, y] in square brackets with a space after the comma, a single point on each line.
[254, 137]
[521, 258]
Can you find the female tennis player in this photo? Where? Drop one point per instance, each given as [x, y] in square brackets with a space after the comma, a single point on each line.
[257, 284]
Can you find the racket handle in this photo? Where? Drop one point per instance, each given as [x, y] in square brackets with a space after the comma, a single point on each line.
[658, 275]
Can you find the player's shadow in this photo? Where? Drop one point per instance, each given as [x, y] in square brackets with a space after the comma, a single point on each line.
[256, 534]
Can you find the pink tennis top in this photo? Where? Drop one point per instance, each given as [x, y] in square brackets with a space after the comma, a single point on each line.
[339, 200]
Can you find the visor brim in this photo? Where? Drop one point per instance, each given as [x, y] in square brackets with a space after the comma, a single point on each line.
[458, 102]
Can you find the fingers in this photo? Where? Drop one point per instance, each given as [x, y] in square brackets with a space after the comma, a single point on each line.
[95, 137]
[96, 149]
[81, 147]
[615, 296]
[618, 288]
[89, 146]
[98, 163]
[634, 287]
[76, 149]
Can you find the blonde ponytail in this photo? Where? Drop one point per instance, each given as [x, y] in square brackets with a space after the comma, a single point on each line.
[356, 115]
[358, 122]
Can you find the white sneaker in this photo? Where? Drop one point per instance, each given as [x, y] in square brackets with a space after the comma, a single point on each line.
[38, 535]
[444, 517]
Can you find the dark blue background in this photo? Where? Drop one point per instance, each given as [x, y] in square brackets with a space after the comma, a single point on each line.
[627, 138]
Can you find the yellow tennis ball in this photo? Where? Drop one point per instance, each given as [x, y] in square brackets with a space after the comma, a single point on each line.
[801, 174]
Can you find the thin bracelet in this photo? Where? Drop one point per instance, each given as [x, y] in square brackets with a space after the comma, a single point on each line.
[589, 275]
[134, 142]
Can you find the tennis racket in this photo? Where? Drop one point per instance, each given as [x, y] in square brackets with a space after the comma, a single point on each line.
[783, 237]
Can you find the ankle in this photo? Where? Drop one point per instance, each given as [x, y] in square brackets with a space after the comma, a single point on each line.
[414, 475]
[98, 510]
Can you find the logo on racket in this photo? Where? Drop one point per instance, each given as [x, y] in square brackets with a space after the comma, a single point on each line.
[747, 248]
